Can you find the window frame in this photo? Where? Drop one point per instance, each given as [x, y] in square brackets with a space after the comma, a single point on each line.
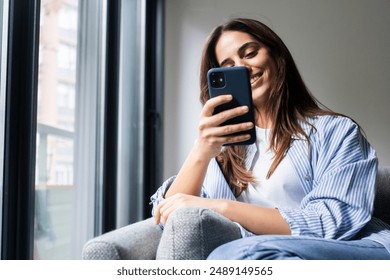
[20, 130]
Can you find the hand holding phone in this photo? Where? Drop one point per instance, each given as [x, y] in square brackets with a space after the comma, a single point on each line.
[234, 81]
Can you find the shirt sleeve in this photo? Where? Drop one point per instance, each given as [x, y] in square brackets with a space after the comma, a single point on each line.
[343, 171]
[214, 186]
[159, 195]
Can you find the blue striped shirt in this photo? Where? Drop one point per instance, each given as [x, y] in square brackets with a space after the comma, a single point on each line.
[337, 172]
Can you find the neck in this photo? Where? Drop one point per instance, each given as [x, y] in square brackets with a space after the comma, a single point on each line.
[262, 120]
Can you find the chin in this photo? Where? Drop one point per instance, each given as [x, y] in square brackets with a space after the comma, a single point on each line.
[258, 97]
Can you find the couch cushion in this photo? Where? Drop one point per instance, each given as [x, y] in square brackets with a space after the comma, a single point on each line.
[382, 197]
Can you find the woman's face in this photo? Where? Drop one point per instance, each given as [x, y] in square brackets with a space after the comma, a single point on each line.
[235, 48]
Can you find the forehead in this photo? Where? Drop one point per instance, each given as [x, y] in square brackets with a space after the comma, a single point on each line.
[229, 43]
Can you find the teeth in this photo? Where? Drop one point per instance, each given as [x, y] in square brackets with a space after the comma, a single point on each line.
[256, 77]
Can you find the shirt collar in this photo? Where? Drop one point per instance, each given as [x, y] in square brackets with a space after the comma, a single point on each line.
[252, 149]
[307, 127]
[251, 152]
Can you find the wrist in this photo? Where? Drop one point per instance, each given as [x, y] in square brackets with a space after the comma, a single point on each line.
[221, 206]
[201, 154]
[205, 151]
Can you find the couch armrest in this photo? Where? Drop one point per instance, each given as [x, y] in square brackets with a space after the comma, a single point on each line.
[382, 195]
[138, 241]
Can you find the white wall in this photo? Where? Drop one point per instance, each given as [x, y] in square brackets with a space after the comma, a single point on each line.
[342, 48]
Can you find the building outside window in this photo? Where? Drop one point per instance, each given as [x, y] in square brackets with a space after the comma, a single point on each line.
[56, 131]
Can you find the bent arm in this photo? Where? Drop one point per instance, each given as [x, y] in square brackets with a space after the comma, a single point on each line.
[256, 219]
[208, 145]
[341, 184]
[190, 178]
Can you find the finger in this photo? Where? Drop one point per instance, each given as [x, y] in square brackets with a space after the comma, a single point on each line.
[228, 130]
[167, 210]
[159, 210]
[209, 106]
[219, 134]
[237, 138]
[172, 203]
[157, 215]
[226, 115]
[231, 139]
[162, 209]
[220, 118]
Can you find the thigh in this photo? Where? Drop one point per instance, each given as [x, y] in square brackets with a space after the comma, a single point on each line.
[274, 247]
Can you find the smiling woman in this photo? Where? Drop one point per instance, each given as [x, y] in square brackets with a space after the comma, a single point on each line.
[307, 182]
[311, 174]
[236, 48]
[312, 151]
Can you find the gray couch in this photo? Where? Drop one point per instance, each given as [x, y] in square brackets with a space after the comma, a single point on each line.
[145, 240]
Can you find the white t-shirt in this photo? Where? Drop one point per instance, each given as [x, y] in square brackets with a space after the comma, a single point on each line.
[282, 189]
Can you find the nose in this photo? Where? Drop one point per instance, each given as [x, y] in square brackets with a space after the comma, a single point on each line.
[240, 62]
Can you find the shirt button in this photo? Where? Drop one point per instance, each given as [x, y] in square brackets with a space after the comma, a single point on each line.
[307, 177]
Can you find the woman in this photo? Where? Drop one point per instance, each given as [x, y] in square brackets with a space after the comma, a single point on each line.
[307, 182]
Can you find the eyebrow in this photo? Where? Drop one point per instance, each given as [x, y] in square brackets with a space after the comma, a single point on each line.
[241, 50]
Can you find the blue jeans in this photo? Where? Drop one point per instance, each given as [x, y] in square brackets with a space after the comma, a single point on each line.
[283, 247]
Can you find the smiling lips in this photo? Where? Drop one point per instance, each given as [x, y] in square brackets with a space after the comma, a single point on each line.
[256, 77]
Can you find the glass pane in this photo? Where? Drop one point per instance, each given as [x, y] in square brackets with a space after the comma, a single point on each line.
[60, 206]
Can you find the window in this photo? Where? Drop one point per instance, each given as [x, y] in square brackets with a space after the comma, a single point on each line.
[71, 114]
[61, 191]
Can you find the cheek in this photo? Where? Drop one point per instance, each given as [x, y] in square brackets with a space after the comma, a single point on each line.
[269, 77]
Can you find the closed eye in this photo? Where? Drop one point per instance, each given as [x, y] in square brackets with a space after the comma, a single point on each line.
[251, 54]
[226, 63]
[249, 50]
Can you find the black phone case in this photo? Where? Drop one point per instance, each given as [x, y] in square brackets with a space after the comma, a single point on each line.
[236, 83]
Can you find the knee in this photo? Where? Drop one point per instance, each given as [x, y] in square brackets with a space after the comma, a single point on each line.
[188, 216]
[181, 235]
[193, 232]
[202, 223]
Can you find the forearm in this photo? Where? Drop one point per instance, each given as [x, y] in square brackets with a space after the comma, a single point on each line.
[212, 136]
[190, 178]
[256, 219]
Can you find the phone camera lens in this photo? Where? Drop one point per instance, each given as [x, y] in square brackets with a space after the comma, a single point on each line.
[217, 80]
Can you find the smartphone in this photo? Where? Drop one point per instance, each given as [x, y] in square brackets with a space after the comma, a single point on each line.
[236, 82]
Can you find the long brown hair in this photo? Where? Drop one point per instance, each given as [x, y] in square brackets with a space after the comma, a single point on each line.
[289, 102]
